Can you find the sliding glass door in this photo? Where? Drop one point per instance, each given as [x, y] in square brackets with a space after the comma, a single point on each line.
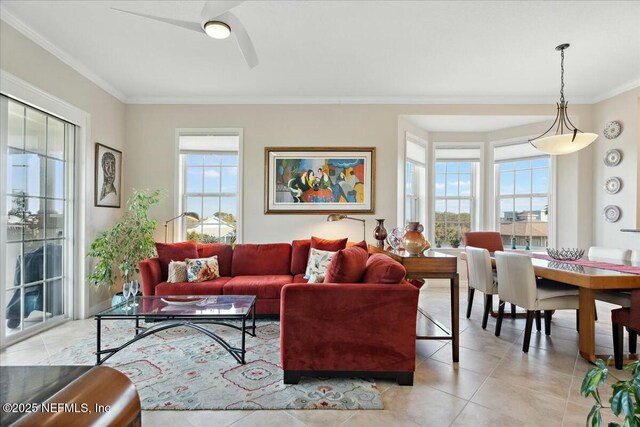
[37, 182]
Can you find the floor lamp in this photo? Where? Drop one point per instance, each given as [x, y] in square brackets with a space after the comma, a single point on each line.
[340, 217]
[189, 215]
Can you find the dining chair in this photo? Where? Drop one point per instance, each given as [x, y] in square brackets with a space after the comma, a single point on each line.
[621, 298]
[628, 317]
[491, 241]
[481, 275]
[518, 285]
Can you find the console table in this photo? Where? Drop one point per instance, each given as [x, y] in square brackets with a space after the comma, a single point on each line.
[433, 265]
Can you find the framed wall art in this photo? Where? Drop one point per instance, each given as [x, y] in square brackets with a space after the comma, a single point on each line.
[319, 180]
[108, 167]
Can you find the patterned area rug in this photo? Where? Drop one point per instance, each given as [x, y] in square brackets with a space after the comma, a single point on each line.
[183, 369]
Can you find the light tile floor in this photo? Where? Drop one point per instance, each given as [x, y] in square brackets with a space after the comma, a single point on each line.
[494, 384]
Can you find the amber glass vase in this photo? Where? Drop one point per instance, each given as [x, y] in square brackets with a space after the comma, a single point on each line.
[380, 233]
[413, 240]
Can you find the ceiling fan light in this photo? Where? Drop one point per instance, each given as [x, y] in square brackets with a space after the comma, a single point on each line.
[217, 30]
[564, 144]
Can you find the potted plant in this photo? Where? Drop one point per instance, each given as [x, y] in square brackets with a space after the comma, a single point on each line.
[625, 398]
[128, 242]
[455, 241]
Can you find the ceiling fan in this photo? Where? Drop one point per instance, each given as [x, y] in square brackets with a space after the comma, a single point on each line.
[217, 22]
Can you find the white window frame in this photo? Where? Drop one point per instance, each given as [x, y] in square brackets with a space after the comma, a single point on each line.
[181, 171]
[477, 186]
[552, 195]
[77, 302]
[415, 182]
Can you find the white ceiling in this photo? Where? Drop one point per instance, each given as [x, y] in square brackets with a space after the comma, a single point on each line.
[347, 51]
[441, 123]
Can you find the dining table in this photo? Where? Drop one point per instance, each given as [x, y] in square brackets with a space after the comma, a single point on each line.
[589, 276]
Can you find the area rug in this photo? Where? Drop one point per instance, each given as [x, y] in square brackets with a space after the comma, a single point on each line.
[182, 369]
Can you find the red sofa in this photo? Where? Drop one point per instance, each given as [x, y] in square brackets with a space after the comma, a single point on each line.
[329, 329]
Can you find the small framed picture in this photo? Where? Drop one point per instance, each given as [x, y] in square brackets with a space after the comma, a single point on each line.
[319, 180]
[108, 181]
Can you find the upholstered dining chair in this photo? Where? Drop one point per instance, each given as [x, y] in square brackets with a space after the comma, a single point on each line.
[628, 317]
[518, 285]
[491, 241]
[621, 298]
[481, 275]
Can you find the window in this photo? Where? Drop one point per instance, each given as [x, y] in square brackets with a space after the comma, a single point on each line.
[455, 193]
[37, 208]
[415, 180]
[522, 178]
[210, 190]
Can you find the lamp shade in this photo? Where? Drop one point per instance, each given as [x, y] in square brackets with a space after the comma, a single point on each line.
[565, 143]
[335, 217]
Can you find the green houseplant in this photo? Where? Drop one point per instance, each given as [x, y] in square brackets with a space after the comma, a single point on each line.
[128, 242]
[625, 398]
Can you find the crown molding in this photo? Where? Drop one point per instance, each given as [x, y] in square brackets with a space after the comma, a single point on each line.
[362, 100]
[634, 84]
[59, 53]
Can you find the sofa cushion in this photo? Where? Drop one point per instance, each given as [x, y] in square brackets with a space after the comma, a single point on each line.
[299, 256]
[223, 251]
[318, 262]
[177, 272]
[202, 269]
[299, 278]
[267, 286]
[180, 251]
[362, 244]
[382, 269]
[328, 245]
[347, 265]
[265, 259]
[211, 287]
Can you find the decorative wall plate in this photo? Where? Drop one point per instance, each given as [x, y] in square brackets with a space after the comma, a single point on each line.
[612, 129]
[612, 185]
[613, 157]
[611, 213]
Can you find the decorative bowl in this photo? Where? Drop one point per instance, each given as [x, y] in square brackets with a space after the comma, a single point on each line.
[569, 254]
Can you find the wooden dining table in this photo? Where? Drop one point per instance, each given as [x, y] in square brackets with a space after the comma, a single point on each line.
[589, 280]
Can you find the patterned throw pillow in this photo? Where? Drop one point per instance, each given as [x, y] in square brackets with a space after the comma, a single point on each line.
[202, 269]
[177, 272]
[314, 278]
[318, 262]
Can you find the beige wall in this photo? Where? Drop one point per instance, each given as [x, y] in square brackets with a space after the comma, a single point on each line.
[624, 108]
[151, 162]
[29, 62]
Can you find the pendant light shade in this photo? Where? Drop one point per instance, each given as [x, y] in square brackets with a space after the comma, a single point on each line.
[567, 138]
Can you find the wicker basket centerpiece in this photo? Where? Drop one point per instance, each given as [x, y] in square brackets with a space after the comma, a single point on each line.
[568, 254]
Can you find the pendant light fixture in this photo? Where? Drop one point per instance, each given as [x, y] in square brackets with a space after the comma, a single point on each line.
[567, 138]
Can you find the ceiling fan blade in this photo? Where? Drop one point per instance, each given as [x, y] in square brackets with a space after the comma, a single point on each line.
[193, 26]
[215, 8]
[242, 37]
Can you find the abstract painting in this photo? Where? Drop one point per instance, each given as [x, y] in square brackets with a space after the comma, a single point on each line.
[319, 180]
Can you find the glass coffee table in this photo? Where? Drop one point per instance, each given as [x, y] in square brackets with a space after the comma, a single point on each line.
[166, 312]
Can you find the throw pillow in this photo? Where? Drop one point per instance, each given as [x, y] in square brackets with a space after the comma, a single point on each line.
[202, 269]
[328, 245]
[318, 262]
[382, 269]
[347, 265]
[177, 272]
[168, 252]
